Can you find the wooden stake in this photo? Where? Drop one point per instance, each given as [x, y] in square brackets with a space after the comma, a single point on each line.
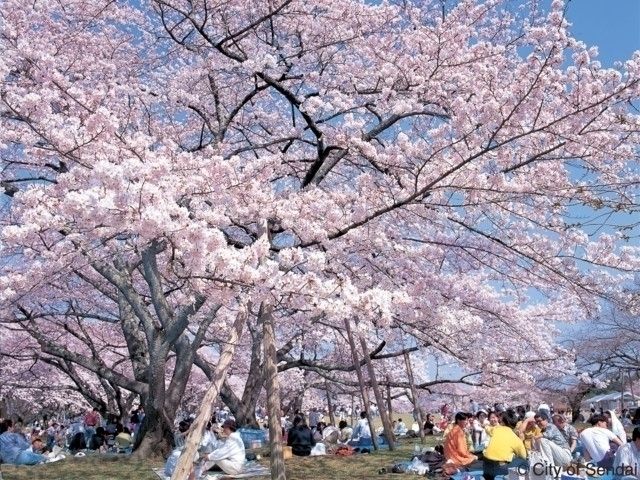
[276, 458]
[384, 415]
[414, 396]
[363, 388]
[185, 465]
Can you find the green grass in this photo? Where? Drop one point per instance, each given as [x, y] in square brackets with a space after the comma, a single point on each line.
[107, 467]
[330, 467]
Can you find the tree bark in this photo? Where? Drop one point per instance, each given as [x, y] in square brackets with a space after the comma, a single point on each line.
[363, 388]
[386, 422]
[185, 462]
[155, 437]
[276, 458]
[414, 397]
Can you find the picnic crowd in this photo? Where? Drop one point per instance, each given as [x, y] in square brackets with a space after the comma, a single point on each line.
[496, 441]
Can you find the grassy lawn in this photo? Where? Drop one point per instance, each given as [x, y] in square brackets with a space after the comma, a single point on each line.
[331, 467]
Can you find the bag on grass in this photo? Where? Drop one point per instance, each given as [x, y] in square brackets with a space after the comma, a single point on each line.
[434, 459]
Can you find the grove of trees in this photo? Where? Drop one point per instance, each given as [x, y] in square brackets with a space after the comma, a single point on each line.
[438, 177]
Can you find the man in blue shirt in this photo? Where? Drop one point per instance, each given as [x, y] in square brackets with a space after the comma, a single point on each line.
[14, 447]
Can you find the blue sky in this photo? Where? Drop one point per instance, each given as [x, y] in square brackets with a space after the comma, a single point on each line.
[612, 25]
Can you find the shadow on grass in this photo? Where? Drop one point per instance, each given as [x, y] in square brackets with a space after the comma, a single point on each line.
[331, 467]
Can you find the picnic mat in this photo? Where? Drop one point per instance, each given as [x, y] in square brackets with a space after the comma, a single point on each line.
[251, 469]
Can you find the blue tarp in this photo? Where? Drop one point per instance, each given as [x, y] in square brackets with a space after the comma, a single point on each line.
[250, 435]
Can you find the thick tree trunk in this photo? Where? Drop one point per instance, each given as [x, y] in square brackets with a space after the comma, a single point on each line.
[363, 388]
[414, 397]
[155, 434]
[155, 437]
[386, 422]
[185, 462]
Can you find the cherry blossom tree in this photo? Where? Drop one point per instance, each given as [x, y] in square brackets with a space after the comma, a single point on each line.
[412, 168]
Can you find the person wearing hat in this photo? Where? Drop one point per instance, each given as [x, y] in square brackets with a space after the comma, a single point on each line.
[230, 456]
[528, 430]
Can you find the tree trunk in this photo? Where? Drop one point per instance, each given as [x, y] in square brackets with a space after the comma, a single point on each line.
[363, 388]
[155, 437]
[386, 422]
[276, 458]
[414, 397]
[185, 462]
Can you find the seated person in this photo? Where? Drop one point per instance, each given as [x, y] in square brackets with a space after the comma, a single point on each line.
[505, 449]
[77, 442]
[123, 439]
[345, 431]
[480, 437]
[552, 443]
[429, 425]
[599, 442]
[567, 430]
[330, 435]
[300, 438]
[98, 440]
[528, 430]
[230, 455]
[456, 449]
[14, 447]
[400, 428]
[614, 424]
[627, 458]
[494, 421]
[361, 435]
[209, 440]
[317, 432]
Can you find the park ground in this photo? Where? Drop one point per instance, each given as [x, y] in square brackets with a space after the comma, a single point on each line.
[330, 467]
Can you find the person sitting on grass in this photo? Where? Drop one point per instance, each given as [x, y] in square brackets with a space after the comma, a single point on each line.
[123, 440]
[627, 458]
[318, 432]
[300, 438]
[456, 449]
[551, 442]
[505, 449]
[599, 442]
[429, 425]
[230, 455]
[361, 436]
[400, 428]
[345, 431]
[98, 440]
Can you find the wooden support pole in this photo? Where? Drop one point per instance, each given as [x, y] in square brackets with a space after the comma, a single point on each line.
[384, 415]
[332, 417]
[184, 468]
[414, 397]
[276, 458]
[363, 388]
